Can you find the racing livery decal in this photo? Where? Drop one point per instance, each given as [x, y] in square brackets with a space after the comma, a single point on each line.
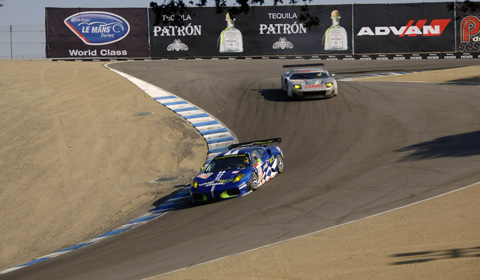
[98, 28]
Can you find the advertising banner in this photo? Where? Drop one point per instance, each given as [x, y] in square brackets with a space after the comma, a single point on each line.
[468, 27]
[262, 31]
[347, 32]
[279, 31]
[96, 33]
[404, 28]
[196, 37]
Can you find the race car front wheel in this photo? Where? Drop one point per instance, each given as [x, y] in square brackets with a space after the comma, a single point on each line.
[280, 164]
[289, 93]
[253, 183]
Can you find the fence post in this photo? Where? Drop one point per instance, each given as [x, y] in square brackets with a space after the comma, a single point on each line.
[353, 28]
[455, 23]
[11, 42]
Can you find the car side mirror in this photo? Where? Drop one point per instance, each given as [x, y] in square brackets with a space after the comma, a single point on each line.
[333, 75]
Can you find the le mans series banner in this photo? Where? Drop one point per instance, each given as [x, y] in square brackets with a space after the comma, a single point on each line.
[404, 28]
[262, 31]
[96, 33]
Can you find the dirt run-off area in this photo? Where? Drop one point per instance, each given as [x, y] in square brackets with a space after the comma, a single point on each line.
[80, 150]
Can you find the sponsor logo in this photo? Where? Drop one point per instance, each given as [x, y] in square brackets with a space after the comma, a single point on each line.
[224, 181]
[470, 29]
[313, 86]
[435, 28]
[95, 53]
[98, 28]
[177, 45]
[282, 43]
[204, 176]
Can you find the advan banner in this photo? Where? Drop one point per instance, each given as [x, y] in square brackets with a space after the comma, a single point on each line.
[96, 33]
[262, 31]
[404, 28]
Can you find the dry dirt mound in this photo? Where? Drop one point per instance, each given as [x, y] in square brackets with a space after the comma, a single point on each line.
[77, 154]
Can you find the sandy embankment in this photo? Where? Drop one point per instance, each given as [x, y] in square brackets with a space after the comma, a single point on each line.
[77, 155]
[455, 75]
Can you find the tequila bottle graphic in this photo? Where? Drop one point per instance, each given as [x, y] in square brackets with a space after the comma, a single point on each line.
[230, 40]
[335, 38]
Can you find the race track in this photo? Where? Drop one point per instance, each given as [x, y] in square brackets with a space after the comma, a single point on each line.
[374, 147]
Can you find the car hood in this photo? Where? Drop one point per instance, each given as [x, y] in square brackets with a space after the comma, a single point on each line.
[313, 81]
[220, 178]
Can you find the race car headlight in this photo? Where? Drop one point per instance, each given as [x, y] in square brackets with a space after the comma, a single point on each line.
[195, 184]
[329, 84]
[297, 86]
[238, 178]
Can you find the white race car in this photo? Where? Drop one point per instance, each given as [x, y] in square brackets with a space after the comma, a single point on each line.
[308, 81]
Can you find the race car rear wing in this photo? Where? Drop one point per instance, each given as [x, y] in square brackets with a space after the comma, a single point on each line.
[255, 143]
[303, 65]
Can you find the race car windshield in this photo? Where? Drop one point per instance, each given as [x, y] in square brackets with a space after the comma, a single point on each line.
[228, 163]
[309, 76]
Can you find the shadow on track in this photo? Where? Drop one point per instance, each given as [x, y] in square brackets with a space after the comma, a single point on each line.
[277, 95]
[460, 145]
[179, 200]
[428, 256]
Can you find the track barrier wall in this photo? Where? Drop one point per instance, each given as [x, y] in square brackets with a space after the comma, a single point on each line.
[356, 31]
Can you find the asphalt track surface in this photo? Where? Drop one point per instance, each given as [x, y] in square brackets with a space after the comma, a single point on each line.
[374, 147]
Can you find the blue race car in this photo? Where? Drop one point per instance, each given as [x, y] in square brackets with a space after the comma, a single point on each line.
[240, 170]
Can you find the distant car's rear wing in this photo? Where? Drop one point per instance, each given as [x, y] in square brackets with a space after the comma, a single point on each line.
[256, 143]
[303, 65]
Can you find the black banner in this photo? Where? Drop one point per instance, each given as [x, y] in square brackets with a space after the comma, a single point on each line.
[96, 33]
[263, 31]
[404, 28]
[468, 27]
[347, 32]
[196, 37]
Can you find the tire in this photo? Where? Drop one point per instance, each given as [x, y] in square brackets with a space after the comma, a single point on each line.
[280, 164]
[289, 93]
[253, 183]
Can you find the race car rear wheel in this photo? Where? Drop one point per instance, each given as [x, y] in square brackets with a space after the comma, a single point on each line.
[253, 183]
[280, 164]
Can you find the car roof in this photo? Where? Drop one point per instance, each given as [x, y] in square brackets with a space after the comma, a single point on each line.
[307, 70]
[239, 151]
